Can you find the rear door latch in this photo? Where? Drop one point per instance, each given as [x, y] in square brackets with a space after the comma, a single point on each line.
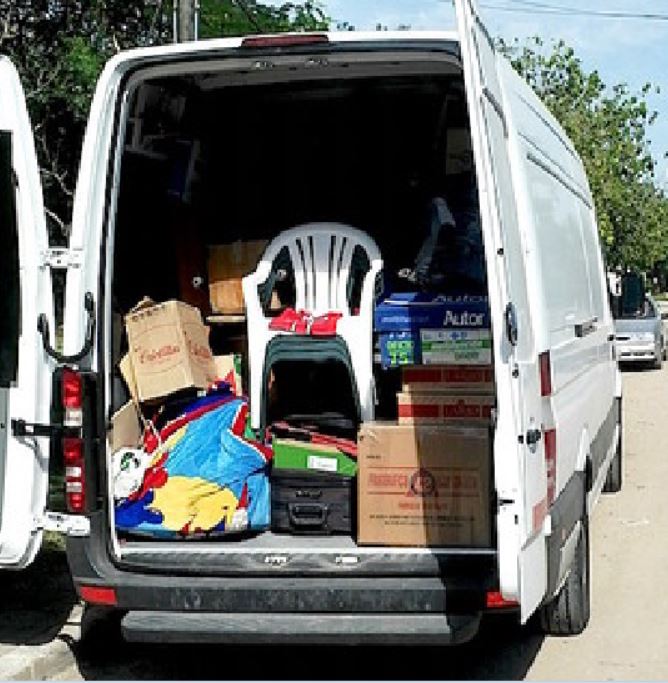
[21, 428]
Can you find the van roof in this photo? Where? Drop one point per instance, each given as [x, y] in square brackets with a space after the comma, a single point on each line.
[334, 37]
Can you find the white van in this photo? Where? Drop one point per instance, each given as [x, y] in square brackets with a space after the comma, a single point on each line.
[327, 126]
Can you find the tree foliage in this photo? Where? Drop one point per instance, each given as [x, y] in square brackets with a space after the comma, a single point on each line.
[60, 46]
[609, 128]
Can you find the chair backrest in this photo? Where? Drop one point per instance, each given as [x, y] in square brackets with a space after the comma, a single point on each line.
[321, 255]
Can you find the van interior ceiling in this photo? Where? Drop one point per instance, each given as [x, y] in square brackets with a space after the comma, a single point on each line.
[247, 162]
[209, 160]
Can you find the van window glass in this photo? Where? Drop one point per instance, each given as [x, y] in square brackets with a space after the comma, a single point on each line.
[10, 301]
[561, 253]
[593, 251]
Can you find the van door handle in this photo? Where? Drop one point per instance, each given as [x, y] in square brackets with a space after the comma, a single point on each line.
[43, 329]
[585, 328]
[533, 437]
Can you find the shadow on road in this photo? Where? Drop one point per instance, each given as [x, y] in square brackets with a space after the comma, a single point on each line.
[502, 651]
[36, 602]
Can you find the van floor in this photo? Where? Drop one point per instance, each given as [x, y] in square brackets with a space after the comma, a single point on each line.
[269, 541]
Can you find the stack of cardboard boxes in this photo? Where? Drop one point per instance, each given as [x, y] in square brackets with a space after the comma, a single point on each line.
[425, 480]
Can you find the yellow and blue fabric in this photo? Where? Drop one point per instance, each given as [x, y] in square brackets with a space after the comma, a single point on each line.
[204, 478]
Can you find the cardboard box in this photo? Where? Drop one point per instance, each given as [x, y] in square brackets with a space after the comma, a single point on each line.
[417, 408]
[291, 454]
[126, 428]
[413, 311]
[228, 264]
[423, 485]
[228, 368]
[169, 350]
[128, 375]
[452, 347]
[448, 379]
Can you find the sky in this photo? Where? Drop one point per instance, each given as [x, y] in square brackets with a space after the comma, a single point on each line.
[622, 50]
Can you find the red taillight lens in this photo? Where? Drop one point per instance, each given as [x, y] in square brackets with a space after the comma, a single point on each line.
[75, 496]
[545, 374]
[72, 397]
[494, 600]
[287, 40]
[551, 463]
[99, 595]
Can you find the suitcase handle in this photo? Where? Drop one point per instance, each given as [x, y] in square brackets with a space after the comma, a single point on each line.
[307, 515]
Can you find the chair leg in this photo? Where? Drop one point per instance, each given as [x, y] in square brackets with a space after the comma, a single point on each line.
[363, 370]
[255, 376]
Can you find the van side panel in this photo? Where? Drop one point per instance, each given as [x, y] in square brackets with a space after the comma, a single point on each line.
[569, 307]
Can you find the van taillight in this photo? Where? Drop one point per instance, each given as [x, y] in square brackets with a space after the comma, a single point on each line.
[551, 463]
[72, 398]
[98, 595]
[73, 456]
[494, 600]
[545, 373]
[286, 40]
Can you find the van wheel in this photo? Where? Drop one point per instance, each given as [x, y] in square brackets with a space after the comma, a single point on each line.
[100, 631]
[567, 614]
[613, 479]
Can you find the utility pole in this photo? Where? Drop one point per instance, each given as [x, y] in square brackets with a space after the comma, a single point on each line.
[186, 15]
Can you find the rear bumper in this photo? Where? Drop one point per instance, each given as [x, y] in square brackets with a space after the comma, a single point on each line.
[302, 629]
[180, 607]
[636, 352]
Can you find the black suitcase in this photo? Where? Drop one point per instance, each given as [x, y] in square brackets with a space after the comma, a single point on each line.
[305, 502]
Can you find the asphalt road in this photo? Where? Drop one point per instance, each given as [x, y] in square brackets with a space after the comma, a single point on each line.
[625, 640]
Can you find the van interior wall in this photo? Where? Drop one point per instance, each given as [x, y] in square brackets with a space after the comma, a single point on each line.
[203, 167]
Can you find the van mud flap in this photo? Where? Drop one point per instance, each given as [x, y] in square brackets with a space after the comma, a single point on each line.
[303, 629]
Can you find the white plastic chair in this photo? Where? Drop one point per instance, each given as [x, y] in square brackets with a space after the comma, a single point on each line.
[321, 256]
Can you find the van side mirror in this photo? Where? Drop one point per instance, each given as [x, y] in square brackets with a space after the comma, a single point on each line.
[511, 324]
[10, 301]
[664, 314]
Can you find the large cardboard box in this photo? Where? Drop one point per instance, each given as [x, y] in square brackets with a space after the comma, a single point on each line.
[419, 408]
[228, 264]
[423, 485]
[448, 379]
[169, 350]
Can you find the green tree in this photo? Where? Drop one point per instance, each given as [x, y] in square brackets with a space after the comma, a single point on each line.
[608, 126]
[60, 47]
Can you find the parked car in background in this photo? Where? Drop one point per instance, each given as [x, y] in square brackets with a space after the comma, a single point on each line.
[640, 334]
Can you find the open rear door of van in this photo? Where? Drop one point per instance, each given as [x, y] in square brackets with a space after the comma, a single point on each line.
[520, 522]
[25, 368]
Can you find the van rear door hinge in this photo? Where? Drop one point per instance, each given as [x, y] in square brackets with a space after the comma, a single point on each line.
[61, 258]
[72, 525]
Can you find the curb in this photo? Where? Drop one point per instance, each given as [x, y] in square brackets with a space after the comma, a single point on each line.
[43, 662]
[36, 662]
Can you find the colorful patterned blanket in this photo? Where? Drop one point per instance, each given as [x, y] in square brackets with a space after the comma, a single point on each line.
[198, 475]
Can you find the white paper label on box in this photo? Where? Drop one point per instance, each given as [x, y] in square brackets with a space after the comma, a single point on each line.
[317, 462]
[472, 347]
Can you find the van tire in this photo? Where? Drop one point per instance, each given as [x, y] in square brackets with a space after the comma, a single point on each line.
[100, 630]
[567, 613]
[614, 477]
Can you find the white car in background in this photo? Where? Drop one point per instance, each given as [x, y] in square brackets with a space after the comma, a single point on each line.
[640, 334]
